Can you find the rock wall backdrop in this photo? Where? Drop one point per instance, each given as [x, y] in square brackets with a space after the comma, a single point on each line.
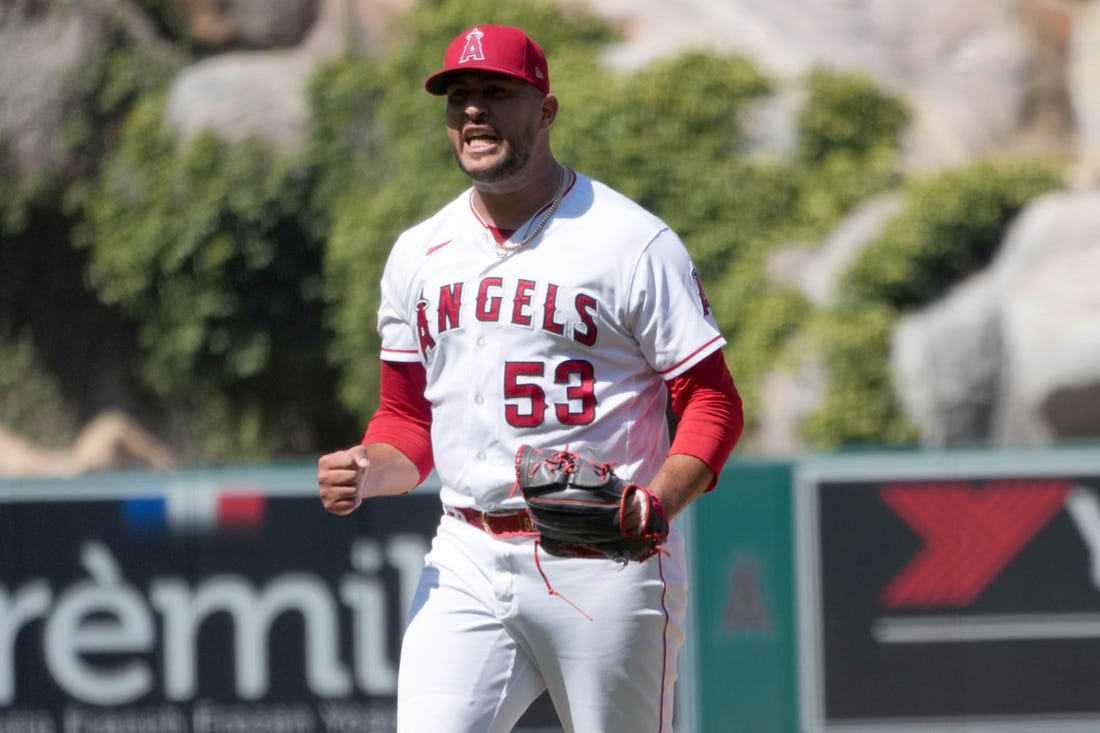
[1009, 356]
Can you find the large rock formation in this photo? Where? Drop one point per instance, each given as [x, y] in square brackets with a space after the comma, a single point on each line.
[262, 93]
[247, 23]
[980, 77]
[972, 72]
[1012, 356]
[1083, 72]
[42, 44]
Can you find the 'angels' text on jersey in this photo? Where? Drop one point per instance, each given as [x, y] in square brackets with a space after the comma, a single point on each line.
[523, 302]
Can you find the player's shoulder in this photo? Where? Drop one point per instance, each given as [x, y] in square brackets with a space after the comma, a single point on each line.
[409, 251]
[423, 234]
[603, 205]
[625, 226]
[607, 197]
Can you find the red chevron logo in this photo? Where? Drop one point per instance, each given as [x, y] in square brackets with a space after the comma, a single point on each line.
[971, 534]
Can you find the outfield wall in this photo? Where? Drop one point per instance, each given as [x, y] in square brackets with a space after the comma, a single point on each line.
[201, 601]
[890, 593]
[901, 593]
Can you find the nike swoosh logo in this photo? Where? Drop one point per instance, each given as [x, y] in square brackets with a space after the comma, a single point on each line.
[438, 246]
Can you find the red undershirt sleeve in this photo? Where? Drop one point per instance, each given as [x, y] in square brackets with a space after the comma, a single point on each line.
[711, 417]
[404, 416]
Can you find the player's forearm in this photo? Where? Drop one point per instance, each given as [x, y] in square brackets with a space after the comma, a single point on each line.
[388, 472]
[404, 417]
[680, 480]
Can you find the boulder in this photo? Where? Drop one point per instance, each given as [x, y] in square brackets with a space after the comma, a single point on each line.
[788, 395]
[243, 95]
[247, 23]
[1012, 356]
[261, 94]
[1084, 88]
[820, 280]
[946, 363]
[1050, 314]
[41, 44]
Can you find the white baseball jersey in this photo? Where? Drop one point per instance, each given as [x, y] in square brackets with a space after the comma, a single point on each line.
[566, 341]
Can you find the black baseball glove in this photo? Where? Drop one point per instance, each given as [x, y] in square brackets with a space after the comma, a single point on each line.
[576, 503]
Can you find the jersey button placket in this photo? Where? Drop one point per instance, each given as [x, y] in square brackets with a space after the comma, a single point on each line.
[480, 342]
[481, 422]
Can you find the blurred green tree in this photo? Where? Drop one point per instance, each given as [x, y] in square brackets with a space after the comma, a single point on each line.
[215, 250]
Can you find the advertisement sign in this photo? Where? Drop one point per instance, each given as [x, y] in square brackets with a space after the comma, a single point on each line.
[950, 594]
[217, 602]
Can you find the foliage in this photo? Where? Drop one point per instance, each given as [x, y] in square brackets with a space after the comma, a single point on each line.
[212, 249]
[29, 395]
[18, 193]
[766, 321]
[167, 16]
[46, 353]
[849, 136]
[859, 407]
[849, 114]
[619, 130]
[951, 226]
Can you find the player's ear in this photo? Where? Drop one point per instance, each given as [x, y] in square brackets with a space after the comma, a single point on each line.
[549, 109]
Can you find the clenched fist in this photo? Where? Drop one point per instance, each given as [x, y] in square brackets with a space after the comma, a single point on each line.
[340, 477]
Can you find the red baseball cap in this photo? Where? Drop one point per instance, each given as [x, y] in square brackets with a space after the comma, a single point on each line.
[500, 48]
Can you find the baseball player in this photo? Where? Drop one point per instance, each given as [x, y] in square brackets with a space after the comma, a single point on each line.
[538, 309]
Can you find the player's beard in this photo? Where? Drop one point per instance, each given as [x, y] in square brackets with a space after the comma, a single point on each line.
[516, 156]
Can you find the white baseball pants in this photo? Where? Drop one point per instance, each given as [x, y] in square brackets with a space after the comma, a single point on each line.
[486, 637]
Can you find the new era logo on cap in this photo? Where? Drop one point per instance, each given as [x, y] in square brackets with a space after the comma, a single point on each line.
[498, 48]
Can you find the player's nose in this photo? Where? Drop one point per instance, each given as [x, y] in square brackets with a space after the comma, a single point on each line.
[476, 107]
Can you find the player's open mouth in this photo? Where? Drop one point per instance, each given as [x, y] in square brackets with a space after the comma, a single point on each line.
[480, 141]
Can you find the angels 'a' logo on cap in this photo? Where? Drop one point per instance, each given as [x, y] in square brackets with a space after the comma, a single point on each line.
[472, 51]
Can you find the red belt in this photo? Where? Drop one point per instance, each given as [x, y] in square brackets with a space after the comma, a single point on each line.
[495, 523]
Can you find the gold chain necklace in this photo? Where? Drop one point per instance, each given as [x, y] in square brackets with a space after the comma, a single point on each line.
[509, 246]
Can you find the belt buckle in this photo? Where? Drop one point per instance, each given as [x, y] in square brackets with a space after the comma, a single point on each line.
[484, 516]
